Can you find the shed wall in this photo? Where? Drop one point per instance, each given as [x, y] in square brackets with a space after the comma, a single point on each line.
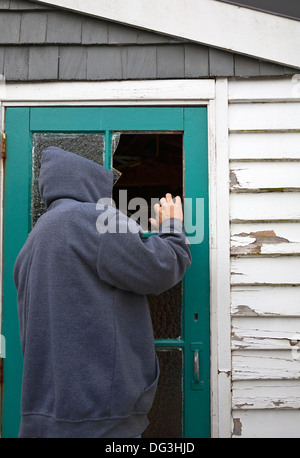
[44, 44]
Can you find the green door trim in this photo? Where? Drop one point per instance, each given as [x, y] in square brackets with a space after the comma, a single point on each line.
[196, 280]
[15, 232]
[21, 123]
[66, 119]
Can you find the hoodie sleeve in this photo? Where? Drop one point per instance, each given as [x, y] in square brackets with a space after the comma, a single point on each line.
[149, 266]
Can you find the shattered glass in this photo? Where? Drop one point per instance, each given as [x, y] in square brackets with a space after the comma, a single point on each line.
[86, 145]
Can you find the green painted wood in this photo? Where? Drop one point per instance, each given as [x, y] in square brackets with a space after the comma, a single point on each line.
[196, 281]
[20, 124]
[107, 150]
[67, 119]
[143, 118]
[169, 343]
[16, 228]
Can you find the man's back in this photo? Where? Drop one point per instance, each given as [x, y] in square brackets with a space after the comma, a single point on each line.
[90, 368]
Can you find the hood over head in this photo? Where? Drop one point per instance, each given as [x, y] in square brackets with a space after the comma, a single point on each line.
[66, 175]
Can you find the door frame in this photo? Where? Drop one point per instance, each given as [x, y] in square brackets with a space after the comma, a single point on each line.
[214, 95]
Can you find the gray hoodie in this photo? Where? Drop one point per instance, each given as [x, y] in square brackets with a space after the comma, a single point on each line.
[90, 367]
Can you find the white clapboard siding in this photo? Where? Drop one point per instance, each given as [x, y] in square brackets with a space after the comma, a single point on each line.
[281, 423]
[262, 333]
[268, 206]
[265, 238]
[264, 146]
[278, 89]
[269, 394]
[265, 364]
[264, 116]
[281, 270]
[286, 232]
[262, 300]
[264, 155]
[265, 175]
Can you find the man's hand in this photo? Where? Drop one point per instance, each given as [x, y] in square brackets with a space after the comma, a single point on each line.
[165, 210]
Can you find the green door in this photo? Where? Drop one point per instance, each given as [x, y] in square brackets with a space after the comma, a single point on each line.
[157, 149]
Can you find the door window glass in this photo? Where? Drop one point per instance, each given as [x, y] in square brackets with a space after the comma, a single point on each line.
[88, 146]
[166, 414]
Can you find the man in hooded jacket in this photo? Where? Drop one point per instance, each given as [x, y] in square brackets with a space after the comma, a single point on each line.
[90, 367]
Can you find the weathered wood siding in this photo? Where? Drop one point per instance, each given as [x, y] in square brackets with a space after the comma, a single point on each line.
[264, 152]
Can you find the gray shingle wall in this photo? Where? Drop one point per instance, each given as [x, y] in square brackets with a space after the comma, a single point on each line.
[45, 44]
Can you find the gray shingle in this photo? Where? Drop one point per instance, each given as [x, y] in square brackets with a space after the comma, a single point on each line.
[139, 62]
[43, 63]
[121, 34]
[33, 28]
[16, 63]
[94, 31]
[290, 71]
[4, 4]
[269, 69]
[104, 63]
[72, 63]
[63, 28]
[145, 37]
[196, 61]
[10, 27]
[245, 66]
[170, 61]
[2, 52]
[221, 63]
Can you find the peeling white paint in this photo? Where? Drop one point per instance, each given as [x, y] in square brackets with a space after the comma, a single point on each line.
[264, 153]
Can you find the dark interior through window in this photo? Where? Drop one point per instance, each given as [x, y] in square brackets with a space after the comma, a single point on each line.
[151, 165]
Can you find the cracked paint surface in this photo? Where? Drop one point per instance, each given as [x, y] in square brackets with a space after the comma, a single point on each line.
[252, 243]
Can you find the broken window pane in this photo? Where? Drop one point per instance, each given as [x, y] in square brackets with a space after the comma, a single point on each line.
[151, 166]
[86, 145]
